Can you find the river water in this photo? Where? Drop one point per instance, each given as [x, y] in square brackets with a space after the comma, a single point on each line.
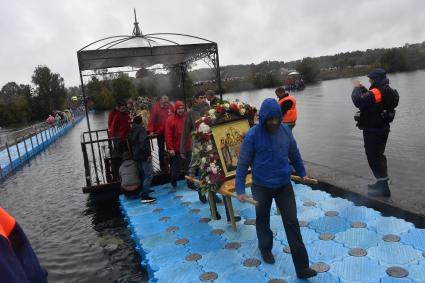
[76, 238]
[79, 239]
[327, 135]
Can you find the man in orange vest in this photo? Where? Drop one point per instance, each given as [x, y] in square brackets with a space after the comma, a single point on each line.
[377, 110]
[288, 106]
[18, 262]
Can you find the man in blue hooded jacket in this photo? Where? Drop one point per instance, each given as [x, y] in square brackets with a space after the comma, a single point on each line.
[266, 148]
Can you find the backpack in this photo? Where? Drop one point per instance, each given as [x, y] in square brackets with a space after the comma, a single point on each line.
[390, 98]
[390, 101]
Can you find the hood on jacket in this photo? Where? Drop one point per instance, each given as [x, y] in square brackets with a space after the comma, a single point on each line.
[178, 104]
[269, 109]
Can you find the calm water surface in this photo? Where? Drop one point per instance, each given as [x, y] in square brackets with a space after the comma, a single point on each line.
[79, 239]
[76, 238]
[326, 132]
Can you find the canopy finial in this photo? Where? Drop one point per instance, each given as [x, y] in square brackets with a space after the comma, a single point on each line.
[136, 29]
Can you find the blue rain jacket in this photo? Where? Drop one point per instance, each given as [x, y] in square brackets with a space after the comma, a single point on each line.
[268, 154]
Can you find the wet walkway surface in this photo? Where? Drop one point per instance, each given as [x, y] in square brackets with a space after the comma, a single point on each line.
[346, 243]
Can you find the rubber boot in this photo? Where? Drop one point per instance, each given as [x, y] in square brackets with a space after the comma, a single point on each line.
[380, 189]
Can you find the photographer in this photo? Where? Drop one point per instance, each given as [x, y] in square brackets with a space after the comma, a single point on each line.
[376, 106]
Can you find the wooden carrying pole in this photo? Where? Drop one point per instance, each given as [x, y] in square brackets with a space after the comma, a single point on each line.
[226, 191]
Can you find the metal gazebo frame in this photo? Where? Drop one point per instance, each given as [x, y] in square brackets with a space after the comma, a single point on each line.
[140, 51]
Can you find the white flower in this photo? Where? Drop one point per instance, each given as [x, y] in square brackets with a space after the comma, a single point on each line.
[203, 160]
[213, 117]
[209, 147]
[214, 170]
[242, 111]
[226, 106]
[211, 112]
[204, 128]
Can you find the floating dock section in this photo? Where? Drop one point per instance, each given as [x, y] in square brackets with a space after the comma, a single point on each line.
[177, 241]
[16, 155]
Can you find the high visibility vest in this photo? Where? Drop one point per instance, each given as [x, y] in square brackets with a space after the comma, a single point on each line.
[377, 94]
[7, 223]
[290, 115]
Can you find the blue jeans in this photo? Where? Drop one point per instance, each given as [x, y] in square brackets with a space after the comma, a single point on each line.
[146, 174]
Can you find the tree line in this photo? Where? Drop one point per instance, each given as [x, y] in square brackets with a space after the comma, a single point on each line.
[23, 103]
[272, 73]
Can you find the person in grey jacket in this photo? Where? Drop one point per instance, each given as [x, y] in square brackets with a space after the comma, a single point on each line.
[129, 176]
[199, 108]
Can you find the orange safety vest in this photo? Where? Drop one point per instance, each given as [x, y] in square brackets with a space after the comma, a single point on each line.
[377, 94]
[290, 115]
[7, 223]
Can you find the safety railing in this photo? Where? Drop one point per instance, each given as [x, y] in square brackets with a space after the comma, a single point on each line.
[102, 158]
[20, 146]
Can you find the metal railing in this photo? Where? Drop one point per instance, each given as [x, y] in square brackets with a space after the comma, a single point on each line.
[20, 146]
[102, 157]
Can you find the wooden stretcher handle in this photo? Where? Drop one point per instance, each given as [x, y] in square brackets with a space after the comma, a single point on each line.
[304, 181]
[225, 193]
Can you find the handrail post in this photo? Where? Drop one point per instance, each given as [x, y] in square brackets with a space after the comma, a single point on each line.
[86, 165]
[17, 149]
[32, 144]
[26, 149]
[8, 154]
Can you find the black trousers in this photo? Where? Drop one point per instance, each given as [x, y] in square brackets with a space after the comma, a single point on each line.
[285, 201]
[161, 151]
[374, 143]
[177, 165]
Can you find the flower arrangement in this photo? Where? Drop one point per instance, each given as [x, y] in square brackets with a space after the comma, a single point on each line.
[204, 152]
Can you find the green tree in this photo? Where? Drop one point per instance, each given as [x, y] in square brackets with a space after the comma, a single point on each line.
[123, 88]
[49, 89]
[394, 60]
[309, 69]
[104, 100]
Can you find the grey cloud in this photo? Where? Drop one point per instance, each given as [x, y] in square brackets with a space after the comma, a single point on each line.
[50, 32]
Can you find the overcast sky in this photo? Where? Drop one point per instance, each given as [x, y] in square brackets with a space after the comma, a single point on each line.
[49, 32]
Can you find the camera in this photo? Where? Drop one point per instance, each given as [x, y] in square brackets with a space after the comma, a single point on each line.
[357, 116]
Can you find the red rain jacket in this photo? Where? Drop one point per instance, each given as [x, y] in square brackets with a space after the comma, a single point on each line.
[158, 118]
[174, 129]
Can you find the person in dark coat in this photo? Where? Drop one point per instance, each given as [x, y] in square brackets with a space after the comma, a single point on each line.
[266, 149]
[141, 149]
[18, 262]
[376, 106]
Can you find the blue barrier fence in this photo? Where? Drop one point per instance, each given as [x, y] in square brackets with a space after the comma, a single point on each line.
[13, 156]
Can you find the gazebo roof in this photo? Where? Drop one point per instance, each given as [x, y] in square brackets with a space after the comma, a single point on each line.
[142, 51]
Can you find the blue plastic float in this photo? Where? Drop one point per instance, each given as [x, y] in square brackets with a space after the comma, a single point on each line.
[177, 242]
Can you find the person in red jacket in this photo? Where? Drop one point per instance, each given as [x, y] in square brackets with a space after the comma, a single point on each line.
[18, 262]
[156, 125]
[112, 115]
[173, 134]
[121, 127]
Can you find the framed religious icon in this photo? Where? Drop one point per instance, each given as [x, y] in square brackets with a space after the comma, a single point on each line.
[228, 139]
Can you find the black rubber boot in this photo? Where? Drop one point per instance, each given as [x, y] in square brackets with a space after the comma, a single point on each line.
[268, 257]
[306, 273]
[380, 189]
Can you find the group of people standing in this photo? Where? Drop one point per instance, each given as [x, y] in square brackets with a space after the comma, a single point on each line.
[172, 126]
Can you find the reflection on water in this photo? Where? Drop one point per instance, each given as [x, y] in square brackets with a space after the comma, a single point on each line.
[327, 135]
[77, 238]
